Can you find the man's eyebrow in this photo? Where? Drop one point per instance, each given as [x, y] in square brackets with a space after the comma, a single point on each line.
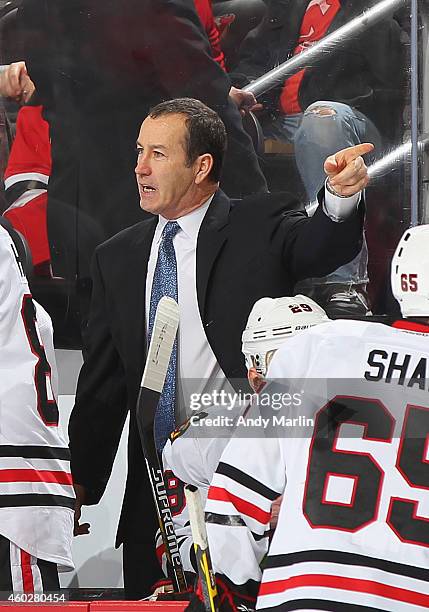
[152, 146]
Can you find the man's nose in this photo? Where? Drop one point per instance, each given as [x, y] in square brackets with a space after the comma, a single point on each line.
[143, 166]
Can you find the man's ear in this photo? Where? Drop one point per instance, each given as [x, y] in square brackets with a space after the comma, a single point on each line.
[204, 165]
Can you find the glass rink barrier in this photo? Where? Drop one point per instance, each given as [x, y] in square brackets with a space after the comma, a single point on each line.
[293, 83]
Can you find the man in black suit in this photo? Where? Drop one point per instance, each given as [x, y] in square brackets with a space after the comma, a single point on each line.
[228, 255]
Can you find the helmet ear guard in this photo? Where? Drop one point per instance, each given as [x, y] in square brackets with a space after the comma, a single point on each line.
[410, 272]
[259, 361]
[274, 320]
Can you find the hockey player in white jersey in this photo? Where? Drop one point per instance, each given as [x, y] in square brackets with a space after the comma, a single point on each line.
[36, 490]
[191, 455]
[353, 529]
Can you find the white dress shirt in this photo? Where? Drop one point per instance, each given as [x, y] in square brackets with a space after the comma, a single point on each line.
[198, 369]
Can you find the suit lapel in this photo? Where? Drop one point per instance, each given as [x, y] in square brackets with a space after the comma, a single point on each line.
[211, 238]
[139, 252]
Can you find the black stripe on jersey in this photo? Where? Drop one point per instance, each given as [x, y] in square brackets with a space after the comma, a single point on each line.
[16, 190]
[6, 585]
[257, 537]
[232, 521]
[246, 480]
[319, 604]
[35, 452]
[48, 572]
[36, 499]
[193, 558]
[345, 558]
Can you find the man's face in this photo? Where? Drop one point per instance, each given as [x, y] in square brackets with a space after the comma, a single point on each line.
[166, 183]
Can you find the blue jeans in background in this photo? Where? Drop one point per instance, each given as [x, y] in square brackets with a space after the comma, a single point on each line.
[323, 129]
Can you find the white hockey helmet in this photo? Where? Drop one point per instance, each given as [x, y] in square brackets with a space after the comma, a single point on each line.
[274, 320]
[410, 272]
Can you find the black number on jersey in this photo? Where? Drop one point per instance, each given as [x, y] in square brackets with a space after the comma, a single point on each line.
[175, 492]
[413, 464]
[325, 461]
[295, 308]
[46, 404]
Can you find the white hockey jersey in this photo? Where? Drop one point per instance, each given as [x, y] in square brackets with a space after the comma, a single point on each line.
[190, 456]
[353, 529]
[36, 490]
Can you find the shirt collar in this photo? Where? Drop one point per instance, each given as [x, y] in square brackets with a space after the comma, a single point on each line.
[190, 224]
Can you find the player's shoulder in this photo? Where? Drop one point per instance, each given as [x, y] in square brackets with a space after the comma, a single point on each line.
[324, 339]
[182, 453]
[9, 258]
[365, 331]
[44, 320]
[344, 331]
[5, 238]
[6, 248]
[185, 429]
[346, 328]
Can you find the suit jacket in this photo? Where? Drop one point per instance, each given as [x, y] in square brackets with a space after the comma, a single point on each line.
[99, 66]
[256, 247]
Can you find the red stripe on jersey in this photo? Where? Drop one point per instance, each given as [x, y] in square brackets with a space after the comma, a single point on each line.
[27, 573]
[30, 220]
[160, 551]
[411, 326]
[244, 507]
[36, 476]
[346, 584]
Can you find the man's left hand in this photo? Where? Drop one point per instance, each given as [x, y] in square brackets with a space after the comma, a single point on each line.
[346, 170]
[79, 528]
[244, 100]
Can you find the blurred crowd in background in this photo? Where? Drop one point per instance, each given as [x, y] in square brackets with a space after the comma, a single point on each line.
[78, 77]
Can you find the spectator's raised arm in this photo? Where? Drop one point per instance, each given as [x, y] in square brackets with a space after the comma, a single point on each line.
[15, 82]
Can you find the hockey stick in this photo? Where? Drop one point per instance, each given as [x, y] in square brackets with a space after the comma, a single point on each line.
[201, 547]
[158, 357]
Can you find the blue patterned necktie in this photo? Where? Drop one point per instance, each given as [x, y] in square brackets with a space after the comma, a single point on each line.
[165, 283]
